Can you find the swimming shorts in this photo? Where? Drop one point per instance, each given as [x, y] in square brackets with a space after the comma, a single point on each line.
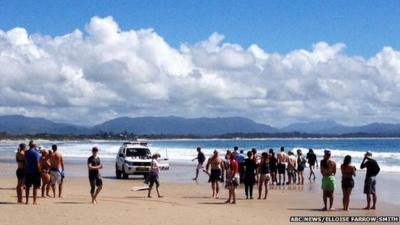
[281, 168]
[265, 177]
[32, 179]
[347, 183]
[95, 181]
[55, 176]
[328, 183]
[215, 175]
[369, 185]
[153, 179]
[199, 166]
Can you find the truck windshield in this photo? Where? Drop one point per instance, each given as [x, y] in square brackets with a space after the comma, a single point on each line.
[137, 152]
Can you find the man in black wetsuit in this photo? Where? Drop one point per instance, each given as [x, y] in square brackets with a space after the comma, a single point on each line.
[370, 179]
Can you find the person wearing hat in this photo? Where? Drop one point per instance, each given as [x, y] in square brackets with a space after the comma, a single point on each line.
[370, 179]
[153, 176]
[94, 165]
[328, 171]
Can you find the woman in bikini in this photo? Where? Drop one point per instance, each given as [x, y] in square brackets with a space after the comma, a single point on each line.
[45, 165]
[348, 171]
[20, 158]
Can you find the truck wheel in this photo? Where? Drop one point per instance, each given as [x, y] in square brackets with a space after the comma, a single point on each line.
[125, 175]
[117, 172]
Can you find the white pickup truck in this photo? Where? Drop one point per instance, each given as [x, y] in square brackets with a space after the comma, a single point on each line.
[134, 158]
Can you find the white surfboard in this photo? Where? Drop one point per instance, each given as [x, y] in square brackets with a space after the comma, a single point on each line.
[143, 188]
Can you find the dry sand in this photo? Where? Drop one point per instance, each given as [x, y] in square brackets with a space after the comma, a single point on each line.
[181, 204]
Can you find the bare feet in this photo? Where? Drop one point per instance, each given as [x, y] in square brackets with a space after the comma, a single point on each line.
[373, 207]
[324, 209]
[233, 202]
[149, 196]
[367, 208]
[332, 209]
[227, 201]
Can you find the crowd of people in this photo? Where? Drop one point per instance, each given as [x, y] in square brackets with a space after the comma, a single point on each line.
[43, 169]
[38, 168]
[266, 168]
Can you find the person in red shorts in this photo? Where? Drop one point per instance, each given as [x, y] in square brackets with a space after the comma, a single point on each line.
[232, 179]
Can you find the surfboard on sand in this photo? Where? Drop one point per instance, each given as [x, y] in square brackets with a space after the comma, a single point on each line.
[143, 188]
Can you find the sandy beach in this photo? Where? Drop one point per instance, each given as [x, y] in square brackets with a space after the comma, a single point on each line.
[182, 203]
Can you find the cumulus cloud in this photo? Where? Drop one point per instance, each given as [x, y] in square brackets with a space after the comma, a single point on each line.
[103, 72]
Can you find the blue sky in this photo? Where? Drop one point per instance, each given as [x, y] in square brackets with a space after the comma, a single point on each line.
[277, 26]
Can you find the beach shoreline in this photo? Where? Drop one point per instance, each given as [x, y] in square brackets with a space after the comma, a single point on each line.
[181, 204]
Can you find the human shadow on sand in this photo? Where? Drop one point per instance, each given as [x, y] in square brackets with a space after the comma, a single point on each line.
[72, 203]
[7, 188]
[303, 209]
[212, 203]
[8, 203]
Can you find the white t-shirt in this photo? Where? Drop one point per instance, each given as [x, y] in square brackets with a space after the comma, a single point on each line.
[154, 166]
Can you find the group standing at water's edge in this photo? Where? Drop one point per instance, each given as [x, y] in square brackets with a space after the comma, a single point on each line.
[33, 170]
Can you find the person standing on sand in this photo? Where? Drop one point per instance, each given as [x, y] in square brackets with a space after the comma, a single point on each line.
[20, 158]
[45, 166]
[273, 165]
[291, 168]
[328, 171]
[200, 161]
[312, 161]
[153, 176]
[94, 165]
[232, 178]
[301, 165]
[348, 171]
[282, 162]
[32, 171]
[370, 179]
[249, 175]
[56, 171]
[217, 168]
[240, 158]
[263, 175]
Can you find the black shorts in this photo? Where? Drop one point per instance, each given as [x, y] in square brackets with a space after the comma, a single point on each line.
[20, 174]
[95, 181]
[300, 168]
[215, 175]
[153, 179]
[32, 179]
[347, 183]
[369, 185]
[281, 168]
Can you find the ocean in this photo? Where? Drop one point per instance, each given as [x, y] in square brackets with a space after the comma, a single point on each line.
[385, 150]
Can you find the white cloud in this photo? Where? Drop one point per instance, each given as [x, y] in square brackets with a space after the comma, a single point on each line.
[104, 72]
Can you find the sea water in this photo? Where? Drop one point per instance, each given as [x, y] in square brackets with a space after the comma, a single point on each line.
[385, 150]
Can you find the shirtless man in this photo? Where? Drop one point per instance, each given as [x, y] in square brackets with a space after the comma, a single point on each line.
[56, 170]
[291, 168]
[217, 167]
[282, 162]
